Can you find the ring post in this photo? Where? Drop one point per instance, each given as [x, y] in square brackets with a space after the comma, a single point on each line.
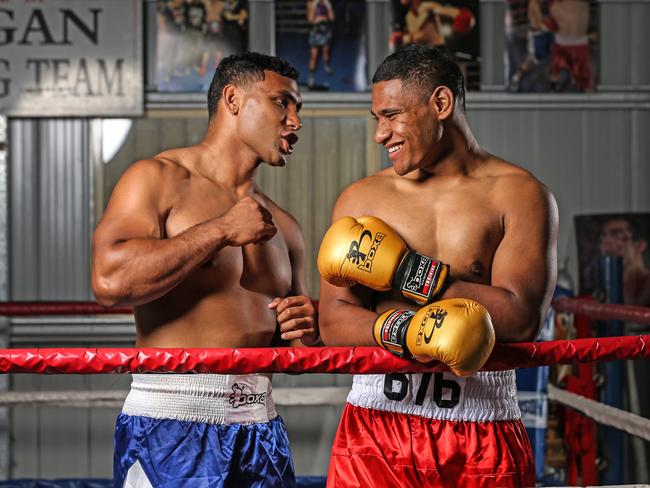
[611, 281]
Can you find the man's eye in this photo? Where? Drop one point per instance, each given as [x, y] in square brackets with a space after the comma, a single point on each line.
[282, 102]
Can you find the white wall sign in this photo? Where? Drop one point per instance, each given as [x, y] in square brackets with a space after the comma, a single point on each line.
[71, 58]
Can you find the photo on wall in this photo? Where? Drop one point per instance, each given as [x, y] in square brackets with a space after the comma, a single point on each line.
[325, 40]
[626, 235]
[452, 26]
[192, 37]
[551, 46]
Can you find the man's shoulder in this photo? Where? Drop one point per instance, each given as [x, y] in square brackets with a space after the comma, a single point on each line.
[512, 183]
[372, 184]
[504, 173]
[365, 192]
[167, 162]
[157, 169]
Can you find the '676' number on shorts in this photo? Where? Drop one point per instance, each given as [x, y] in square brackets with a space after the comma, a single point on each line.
[440, 384]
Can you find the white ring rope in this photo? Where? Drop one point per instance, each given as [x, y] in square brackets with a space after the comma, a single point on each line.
[601, 413]
[290, 397]
[322, 396]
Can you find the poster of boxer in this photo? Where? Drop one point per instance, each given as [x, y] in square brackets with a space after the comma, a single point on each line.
[325, 41]
[452, 25]
[192, 38]
[551, 45]
[626, 235]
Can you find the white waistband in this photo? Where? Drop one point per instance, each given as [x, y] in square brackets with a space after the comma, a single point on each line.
[484, 396]
[207, 398]
[563, 40]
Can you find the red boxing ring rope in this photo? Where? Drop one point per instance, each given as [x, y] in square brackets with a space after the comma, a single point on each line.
[603, 311]
[347, 360]
[14, 309]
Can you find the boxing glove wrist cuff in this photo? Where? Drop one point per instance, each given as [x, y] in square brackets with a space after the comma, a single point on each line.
[419, 277]
[390, 331]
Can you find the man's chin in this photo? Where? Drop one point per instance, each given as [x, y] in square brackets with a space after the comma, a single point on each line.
[277, 161]
[402, 169]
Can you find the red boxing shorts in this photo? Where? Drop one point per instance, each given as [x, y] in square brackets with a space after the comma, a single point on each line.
[572, 55]
[395, 450]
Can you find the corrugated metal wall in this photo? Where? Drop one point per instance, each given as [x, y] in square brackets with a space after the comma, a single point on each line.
[49, 209]
[591, 150]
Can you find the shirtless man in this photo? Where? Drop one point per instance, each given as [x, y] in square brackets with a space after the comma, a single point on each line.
[424, 25]
[207, 260]
[495, 226]
[570, 51]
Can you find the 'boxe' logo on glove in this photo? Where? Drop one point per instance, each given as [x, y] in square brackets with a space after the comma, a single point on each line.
[361, 259]
[437, 315]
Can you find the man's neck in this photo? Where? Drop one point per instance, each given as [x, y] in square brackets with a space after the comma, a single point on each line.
[461, 156]
[226, 160]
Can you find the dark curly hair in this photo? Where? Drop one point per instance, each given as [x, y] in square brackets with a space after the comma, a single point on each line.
[424, 69]
[244, 69]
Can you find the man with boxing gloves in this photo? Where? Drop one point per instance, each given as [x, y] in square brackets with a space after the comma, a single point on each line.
[207, 260]
[434, 259]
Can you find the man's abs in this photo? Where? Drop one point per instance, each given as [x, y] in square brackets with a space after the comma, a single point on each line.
[235, 319]
[484, 396]
[212, 308]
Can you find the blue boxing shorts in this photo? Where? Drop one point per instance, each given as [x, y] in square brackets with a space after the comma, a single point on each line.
[201, 430]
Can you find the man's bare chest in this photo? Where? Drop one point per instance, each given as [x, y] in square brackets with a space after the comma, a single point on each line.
[461, 232]
[259, 267]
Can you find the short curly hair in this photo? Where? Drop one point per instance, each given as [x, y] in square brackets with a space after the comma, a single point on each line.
[425, 69]
[242, 70]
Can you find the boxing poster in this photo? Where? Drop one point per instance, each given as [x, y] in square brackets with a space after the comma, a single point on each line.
[626, 235]
[551, 45]
[325, 41]
[452, 25]
[192, 36]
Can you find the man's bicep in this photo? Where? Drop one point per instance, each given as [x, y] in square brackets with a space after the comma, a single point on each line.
[131, 211]
[525, 262]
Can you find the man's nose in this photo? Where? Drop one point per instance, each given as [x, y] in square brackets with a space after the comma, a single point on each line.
[382, 132]
[293, 120]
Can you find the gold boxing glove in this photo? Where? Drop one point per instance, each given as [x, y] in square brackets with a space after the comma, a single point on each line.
[368, 252]
[457, 332]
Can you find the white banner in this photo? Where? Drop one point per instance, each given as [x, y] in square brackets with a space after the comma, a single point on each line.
[71, 58]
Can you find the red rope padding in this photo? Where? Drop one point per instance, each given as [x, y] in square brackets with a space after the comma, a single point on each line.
[603, 311]
[369, 360]
[58, 308]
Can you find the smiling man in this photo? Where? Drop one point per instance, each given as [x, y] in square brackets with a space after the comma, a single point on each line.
[207, 260]
[488, 230]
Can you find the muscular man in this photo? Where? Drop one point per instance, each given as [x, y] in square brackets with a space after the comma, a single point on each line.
[207, 260]
[495, 227]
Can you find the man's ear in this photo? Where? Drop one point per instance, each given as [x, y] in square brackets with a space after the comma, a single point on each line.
[442, 102]
[231, 97]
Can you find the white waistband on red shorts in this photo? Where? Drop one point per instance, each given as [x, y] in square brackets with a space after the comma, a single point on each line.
[207, 398]
[484, 396]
